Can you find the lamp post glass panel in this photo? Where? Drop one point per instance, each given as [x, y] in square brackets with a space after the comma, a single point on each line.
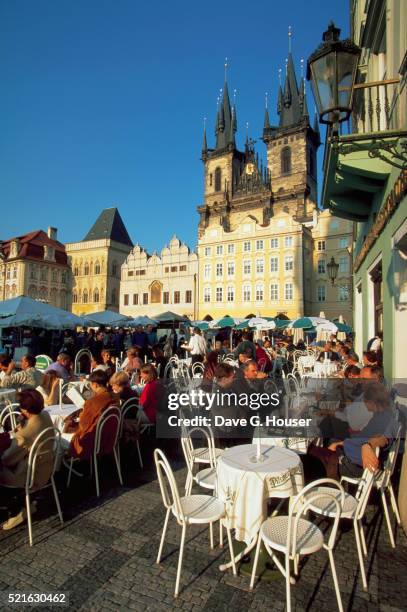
[332, 268]
[332, 72]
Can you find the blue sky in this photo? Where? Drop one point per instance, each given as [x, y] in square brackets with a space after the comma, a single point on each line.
[102, 103]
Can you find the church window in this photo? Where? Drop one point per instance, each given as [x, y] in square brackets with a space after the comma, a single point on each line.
[207, 271]
[321, 245]
[97, 268]
[286, 160]
[188, 296]
[130, 273]
[218, 179]
[321, 266]
[86, 269]
[126, 299]
[174, 268]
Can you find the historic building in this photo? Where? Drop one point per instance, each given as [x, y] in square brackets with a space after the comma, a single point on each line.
[35, 265]
[151, 284]
[263, 244]
[96, 263]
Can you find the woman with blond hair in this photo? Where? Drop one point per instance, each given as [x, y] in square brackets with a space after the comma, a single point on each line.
[120, 383]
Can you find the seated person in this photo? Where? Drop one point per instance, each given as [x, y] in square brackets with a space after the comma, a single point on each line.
[14, 460]
[83, 439]
[62, 367]
[251, 371]
[232, 401]
[245, 346]
[357, 452]
[28, 378]
[159, 359]
[210, 363]
[263, 358]
[328, 353]
[120, 383]
[108, 365]
[132, 364]
[370, 358]
[96, 363]
[49, 388]
[150, 394]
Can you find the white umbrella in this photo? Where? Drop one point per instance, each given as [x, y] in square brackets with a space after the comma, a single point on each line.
[298, 335]
[261, 324]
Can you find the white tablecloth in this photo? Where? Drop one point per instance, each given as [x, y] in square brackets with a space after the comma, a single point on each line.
[325, 368]
[245, 486]
[58, 413]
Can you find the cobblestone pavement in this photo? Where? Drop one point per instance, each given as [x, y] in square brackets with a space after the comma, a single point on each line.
[104, 556]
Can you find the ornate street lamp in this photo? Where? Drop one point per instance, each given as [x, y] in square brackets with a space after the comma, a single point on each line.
[333, 269]
[332, 72]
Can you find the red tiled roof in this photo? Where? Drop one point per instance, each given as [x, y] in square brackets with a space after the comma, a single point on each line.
[32, 247]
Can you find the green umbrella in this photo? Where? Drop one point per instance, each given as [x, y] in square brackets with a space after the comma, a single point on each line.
[225, 322]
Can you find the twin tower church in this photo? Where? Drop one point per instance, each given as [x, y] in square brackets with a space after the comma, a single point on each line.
[263, 244]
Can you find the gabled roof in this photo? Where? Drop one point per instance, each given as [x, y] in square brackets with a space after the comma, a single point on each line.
[31, 246]
[109, 225]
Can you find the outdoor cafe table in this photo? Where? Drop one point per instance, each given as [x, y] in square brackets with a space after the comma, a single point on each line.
[245, 486]
[325, 368]
[7, 395]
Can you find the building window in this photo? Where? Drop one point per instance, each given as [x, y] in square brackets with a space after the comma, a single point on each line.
[130, 273]
[247, 293]
[286, 160]
[135, 299]
[166, 297]
[113, 296]
[54, 276]
[97, 268]
[231, 249]
[288, 263]
[219, 269]
[142, 272]
[63, 278]
[288, 291]
[343, 293]
[321, 266]
[218, 179]
[207, 294]
[177, 297]
[174, 268]
[219, 249]
[210, 180]
[96, 296]
[75, 297]
[321, 245]
[259, 293]
[85, 296]
[188, 296]
[75, 271]
[231, 268]
[8, 275]
[145, 298]
[259, 245]
[343, 265]
[247, 266]
[207, 271]
[343, 243]
[274, 243]
[259, 266]
[182, 268]
[114, 269]
[230, 294]
[273, 264]
[288, 241]
[274, 292]
[321, 293]
[207, 251]
[15, 272]
[219, 294]
[155, 293]
[247, 246]
[86, 269]
[43, 274]
[167, 269]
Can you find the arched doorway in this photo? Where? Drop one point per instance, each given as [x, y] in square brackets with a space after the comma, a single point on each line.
[155, 292]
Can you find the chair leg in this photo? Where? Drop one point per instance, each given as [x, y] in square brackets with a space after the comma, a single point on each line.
[181, 554]
[335, 578]
[360, 555]
[28, 509]
[163, 536]
[117, 459]
[68, 482]
[57, 500]
[232, 554]
[95, 461]
[188, 483]
[296, 562]
[211, 535]
[139, 454]
[394, 504]
[362, 539]
[287, 582]
[220, 534]
[386, 514]
[256, 559]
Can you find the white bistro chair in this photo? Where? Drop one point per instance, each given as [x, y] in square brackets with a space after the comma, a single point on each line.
[132, 404]
[10, 412]
[188, 510]
[294, 535]
[206, 477]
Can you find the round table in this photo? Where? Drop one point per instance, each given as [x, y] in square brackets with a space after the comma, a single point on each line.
[245, 485]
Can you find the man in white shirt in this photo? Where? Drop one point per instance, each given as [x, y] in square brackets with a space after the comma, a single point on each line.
[196, 346]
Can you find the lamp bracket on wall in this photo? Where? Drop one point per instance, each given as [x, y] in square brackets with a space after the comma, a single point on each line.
[393, 152]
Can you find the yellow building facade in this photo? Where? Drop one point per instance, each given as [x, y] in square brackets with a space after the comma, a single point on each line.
[96, 264]
[263, 244]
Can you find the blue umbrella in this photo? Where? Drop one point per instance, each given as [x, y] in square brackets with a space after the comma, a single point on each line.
[106, 317]
[24, 311]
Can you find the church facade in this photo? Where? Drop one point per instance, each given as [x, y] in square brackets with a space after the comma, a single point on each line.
[263, 244]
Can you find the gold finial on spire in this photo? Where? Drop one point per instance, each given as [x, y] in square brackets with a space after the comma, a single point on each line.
[289, 38]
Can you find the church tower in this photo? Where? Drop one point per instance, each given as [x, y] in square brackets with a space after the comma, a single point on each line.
[292, 149]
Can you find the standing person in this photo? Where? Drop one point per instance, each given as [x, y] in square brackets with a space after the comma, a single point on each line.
[196, 346]
[139, 339]
[151, 336]
[118, 341]
[159, 359]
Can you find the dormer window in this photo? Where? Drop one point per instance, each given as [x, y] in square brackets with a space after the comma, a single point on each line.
[14, 248]
[49, 253]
